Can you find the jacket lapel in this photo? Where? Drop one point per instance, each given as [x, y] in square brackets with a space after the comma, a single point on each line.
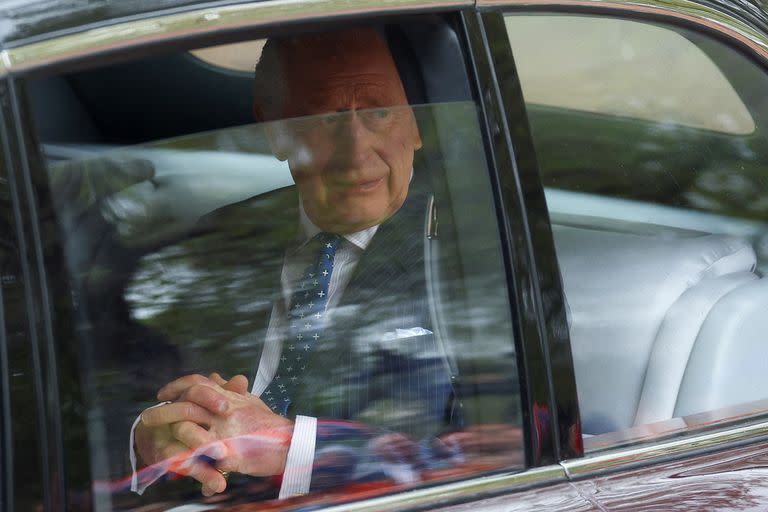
[386, 292]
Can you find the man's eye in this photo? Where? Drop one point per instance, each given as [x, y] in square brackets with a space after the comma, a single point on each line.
[377, 119]
[331, 119]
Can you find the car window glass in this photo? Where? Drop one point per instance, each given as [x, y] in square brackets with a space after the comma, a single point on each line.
[636, 70]
[657, 190]
[199, 241]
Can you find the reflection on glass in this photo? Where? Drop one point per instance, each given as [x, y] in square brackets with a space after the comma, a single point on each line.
[623, 68]
[657, 192]
[202, 280]
[678, 426]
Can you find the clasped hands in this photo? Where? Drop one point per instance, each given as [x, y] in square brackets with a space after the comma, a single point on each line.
[205, 411]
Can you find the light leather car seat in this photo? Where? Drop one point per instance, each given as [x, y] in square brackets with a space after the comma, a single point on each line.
[628, 296]
[675, 343]
[729, 362]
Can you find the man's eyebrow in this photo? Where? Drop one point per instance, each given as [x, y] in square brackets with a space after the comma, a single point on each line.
[337, 95]
[379, 100]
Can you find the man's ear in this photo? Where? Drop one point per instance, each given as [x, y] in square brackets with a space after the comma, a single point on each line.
[417, 144]
[279, 139]
[275, 132]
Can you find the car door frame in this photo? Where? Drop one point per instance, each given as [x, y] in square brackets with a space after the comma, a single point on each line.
[540, 297]
[34, 366]
[6, 421]
[550, 415]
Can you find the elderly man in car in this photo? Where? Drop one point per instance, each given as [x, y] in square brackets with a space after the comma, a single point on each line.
[350, 276]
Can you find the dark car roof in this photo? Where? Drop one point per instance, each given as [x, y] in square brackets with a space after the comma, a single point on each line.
[29, 20]
[35, 19]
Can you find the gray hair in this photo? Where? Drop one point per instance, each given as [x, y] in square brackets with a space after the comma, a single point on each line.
[270, 87]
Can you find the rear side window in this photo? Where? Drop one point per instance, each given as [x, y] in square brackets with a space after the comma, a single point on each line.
[635, 70]
[657, 189]
[327, 240]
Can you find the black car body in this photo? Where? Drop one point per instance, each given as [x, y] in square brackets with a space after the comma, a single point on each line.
[603, 202]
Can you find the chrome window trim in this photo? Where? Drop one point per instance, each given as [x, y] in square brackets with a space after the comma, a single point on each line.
[112, 37]
[628, 458]
[686, 10]
[4, 63]
[472, 489]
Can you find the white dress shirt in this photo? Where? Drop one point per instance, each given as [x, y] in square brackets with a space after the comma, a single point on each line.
[301, 453]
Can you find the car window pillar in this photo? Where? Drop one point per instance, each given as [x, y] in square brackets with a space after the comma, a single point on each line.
[37, 409]
[535, 284]
[6, 253]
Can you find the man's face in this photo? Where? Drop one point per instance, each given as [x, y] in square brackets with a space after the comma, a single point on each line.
[352, 161]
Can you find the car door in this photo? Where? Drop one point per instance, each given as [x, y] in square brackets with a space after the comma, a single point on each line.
[132, 296]
[649, 139]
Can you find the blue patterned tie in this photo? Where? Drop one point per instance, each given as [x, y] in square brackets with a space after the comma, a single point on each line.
[306, 319]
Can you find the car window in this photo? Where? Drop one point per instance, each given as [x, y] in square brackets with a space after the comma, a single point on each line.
[326, 239]
[635, 70]
[657, 189]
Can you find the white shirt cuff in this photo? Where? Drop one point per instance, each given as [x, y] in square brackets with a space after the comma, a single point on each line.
[132, 455]
[301, 457]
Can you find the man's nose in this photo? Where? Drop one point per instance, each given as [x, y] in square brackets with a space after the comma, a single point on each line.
[354, 139]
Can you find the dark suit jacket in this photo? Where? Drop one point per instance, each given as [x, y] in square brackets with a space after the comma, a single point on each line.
[223, 278]
[362, 371]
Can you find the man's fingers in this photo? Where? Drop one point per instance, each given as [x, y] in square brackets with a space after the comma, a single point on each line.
[217, 379]
[191, 434]
[171, 450]
[230, 463]
[173, 390]
[237, 384]
[208, 398]
[172, 413]
[211, 480]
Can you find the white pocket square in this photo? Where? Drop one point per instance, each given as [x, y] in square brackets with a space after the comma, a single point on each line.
[405, 333]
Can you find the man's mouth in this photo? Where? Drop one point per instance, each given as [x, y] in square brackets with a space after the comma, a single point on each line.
[366, 186]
